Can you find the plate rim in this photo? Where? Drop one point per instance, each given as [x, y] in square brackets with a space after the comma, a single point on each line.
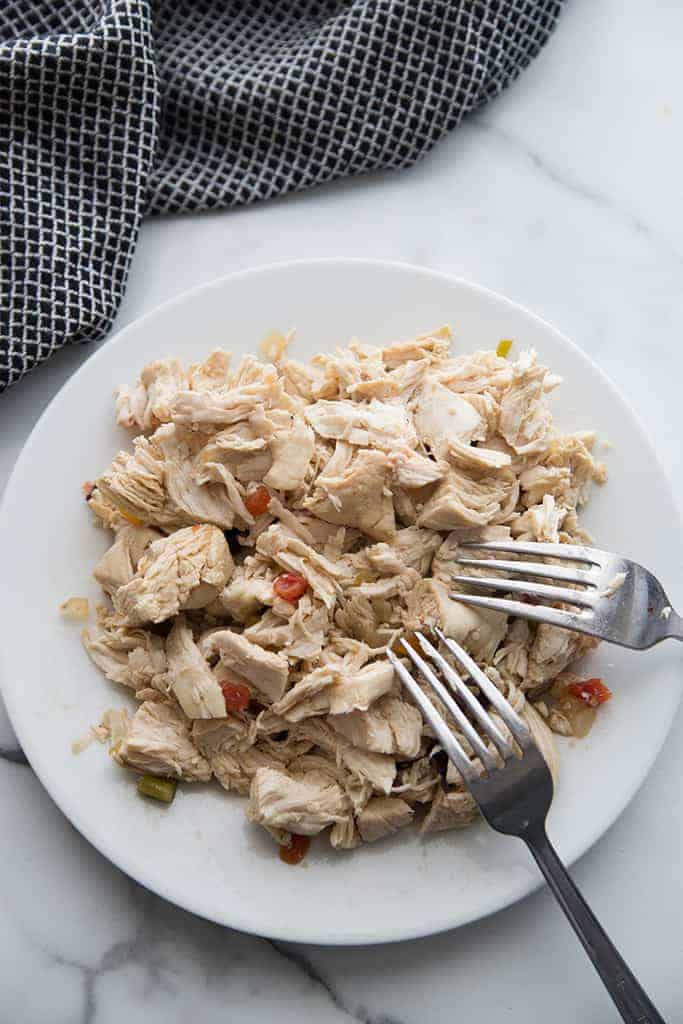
[295, 933]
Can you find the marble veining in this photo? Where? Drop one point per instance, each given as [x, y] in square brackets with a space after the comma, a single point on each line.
[565, 194]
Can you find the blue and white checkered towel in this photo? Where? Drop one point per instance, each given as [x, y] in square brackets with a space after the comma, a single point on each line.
[111, 109]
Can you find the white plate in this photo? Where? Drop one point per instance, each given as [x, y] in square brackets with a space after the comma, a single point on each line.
[200, 853]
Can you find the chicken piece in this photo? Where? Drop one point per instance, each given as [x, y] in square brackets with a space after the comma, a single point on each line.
[412, 470]
[328, 690]
[450, 809]
[243, 448]
[433, 346]
[418, 781]
[160, 483]
[525, 419]
[119, 564]
[478, 374]
[190, 678]
[302, 635]
[147, 405]
[235, 764]
[231, 734]
[375, 424]
[441, 415]
[132, 657]
[357, 617]
[244, 597]
[198, 490]
[254, 384]
[383, 816]
[134, 483]
[512, 657]
[353, 491]
[304, 806]
[479, 630]
[411, 548]
[186, 570]
[264, 669]
[474, 457]
[466, 499]
[390, 726]
[292, 450]
[540, 522]
[372, 772]
[158, 742]
[553, 650]
[213, 373]
[387, 587]
[567, 471]
[280, 545]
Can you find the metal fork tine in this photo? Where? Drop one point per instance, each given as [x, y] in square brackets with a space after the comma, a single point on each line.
[478, 745]
[536, 613]
[543, 569]
[584, 599]
[572, 552]
[468, 698]
[448, 741]
[519, 729]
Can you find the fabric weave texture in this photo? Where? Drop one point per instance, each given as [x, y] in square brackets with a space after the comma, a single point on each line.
[115, 109]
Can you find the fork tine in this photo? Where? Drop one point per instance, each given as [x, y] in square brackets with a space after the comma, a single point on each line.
[478, 745]
[582, 598]
[519, 729]
[536, 613]
[544, 569]
[448, 741]
[572, 552]
[468, 697]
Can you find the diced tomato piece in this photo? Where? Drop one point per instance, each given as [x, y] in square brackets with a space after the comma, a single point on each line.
[257, 501]
[290, 586]
[237, 696]
[296, 851]
[591, 691]
[88, 487]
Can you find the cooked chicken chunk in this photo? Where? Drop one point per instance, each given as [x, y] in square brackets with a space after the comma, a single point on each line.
[332, 690]
[264, 669]
[376, 425]
[191, 680]
[119, 564]
[353, 491]
[183, 571]
[305, 805]
[158, 742]
[389, 726]
[468, 499]
[291, 449]
[479, 630]
[382, 816]
[132, 657]
[450, 809]
[146, 406]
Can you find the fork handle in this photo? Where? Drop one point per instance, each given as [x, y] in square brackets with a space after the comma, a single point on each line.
[629, 998]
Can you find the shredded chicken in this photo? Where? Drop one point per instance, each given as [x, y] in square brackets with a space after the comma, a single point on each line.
[278, 525]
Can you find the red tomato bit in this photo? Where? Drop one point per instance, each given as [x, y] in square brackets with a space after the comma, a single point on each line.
[237, 696]
[257, 501]
[88, 487]
[290, 586]
[592, 692]
[296, 851]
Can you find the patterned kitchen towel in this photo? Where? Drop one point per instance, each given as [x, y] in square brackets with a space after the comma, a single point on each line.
[110, 109]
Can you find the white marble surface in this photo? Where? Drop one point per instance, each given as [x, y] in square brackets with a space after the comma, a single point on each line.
[565, 195]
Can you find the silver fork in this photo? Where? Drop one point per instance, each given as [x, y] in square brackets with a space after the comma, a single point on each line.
[513, 788]
[635, 614]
